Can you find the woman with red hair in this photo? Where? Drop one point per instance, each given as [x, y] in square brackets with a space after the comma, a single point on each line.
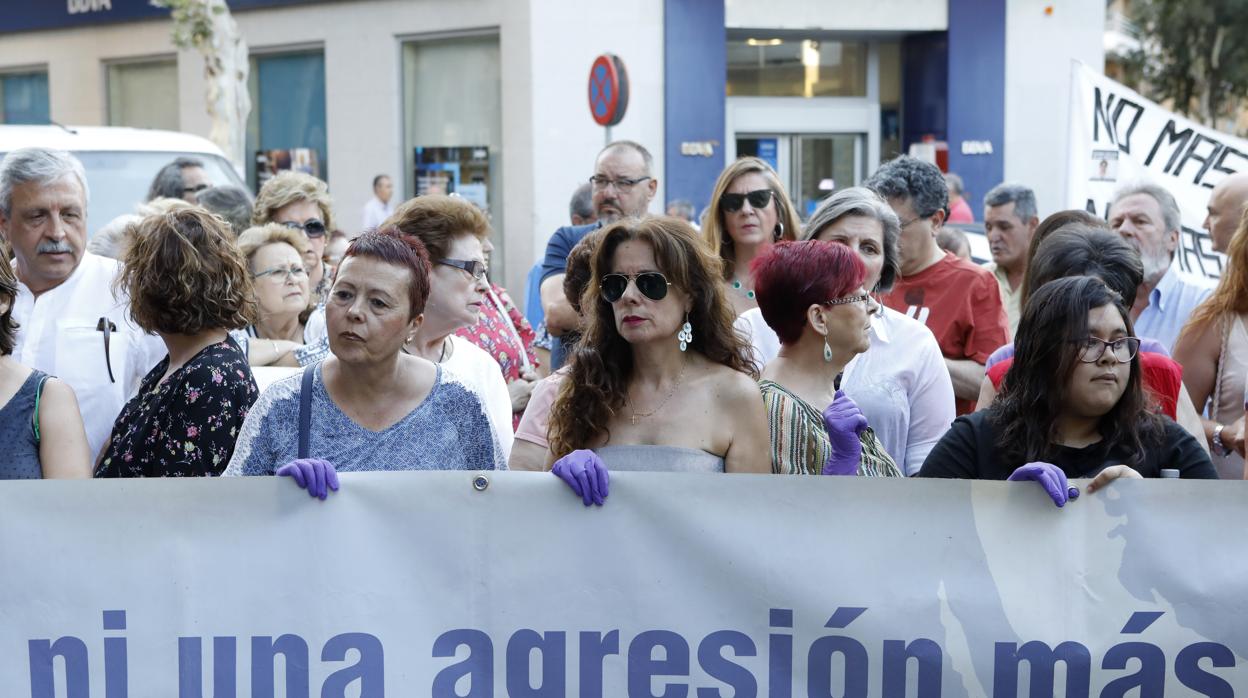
[811, 294]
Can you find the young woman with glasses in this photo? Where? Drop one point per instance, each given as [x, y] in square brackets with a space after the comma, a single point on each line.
[1071, 406]
[455, 232]
[659, 380]
[749, 212]
[280, 335]
[812, 295]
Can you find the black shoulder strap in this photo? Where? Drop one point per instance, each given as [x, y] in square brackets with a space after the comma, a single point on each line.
[305, 411]
[34, 418]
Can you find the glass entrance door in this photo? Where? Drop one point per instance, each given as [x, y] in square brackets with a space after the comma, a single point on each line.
[811, 166]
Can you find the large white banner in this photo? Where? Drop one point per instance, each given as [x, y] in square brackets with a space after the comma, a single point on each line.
[1118, 137]
[422, 584]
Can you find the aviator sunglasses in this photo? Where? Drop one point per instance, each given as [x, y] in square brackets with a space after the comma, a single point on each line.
[652, 285]
[731, 203]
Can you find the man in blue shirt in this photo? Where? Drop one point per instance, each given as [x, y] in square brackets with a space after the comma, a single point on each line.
[623, 186]
[1147, 216]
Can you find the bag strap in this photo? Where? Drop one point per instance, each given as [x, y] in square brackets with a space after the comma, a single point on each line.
[1228, 323]
[305, 411]
[34, 418]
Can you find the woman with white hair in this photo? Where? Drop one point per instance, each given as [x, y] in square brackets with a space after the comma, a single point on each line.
[900, 383]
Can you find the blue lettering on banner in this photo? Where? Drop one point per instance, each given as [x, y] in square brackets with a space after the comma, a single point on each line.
[659, 664]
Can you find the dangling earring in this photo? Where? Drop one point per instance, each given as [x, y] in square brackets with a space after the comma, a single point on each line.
[779, 232]
[827, 350]
[686, 334]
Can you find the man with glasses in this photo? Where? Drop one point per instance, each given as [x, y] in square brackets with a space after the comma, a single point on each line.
[957, 300]
[71, 324]
[184, 178]
[623, 185]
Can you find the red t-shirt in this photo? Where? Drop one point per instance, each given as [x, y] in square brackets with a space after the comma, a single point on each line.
[1161, 375]
[961, 304]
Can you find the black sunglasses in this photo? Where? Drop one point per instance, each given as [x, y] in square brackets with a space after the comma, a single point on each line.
[652, 285]
[759, 198]
[474, 268]
[312, 228]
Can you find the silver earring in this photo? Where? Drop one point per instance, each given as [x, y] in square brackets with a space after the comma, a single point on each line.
[686, 334]
[779, 233]
[827, 351]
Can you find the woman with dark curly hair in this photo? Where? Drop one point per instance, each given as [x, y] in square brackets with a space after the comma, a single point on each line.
[1072, 404]
[41, 432]
[189, 284]
[659, 380]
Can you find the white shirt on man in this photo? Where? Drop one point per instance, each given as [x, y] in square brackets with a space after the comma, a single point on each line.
[376, 213]
[901, 383]
[59, 333]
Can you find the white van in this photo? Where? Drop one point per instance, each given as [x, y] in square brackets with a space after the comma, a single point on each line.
[120, 162]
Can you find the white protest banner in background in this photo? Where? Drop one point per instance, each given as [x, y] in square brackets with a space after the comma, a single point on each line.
[420, 584]
[1117, 137]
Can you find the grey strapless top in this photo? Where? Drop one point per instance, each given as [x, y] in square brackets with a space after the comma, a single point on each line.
[673, 459]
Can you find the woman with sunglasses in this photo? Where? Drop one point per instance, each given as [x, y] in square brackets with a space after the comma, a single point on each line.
[301, 202]
[454, 232]
[280, 336]
[1072, 405]
[659, 380]
[811, 294]
[901, 384]
[749, 211]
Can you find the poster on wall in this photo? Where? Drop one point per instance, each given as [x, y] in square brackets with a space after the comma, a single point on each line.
[270, 162]
[1117, 138]
[462, 170]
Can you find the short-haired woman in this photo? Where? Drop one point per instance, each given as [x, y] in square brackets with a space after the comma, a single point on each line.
[188, 284]
[370, 406]
[41, 432]
[285, 332]
[659, 380]
[901, 384]
[749, 211]
[811, 293]
[1072, 405]
[455, 232]
[301, 202]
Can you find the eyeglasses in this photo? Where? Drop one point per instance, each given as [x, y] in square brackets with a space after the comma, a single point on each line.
[759, 198]
[652, 285]
[295, 271]
[1092, 348]
[474, 268]
[864, 298]
[312, 228]
[600, 182]
[195, 189]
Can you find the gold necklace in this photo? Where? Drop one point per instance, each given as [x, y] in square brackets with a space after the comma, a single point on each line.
[635, 414]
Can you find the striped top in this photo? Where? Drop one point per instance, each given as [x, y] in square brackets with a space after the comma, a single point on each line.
[799, 440]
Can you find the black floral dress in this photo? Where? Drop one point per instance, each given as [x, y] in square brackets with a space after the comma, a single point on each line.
[185, 426]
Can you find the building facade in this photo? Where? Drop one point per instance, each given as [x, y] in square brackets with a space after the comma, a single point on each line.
[492, 95]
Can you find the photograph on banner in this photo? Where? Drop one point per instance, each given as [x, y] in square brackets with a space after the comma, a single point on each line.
[1118, 137]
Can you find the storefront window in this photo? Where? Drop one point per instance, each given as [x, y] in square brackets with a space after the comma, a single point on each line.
[286, 129]
[452, 129]
[143, 95]
[796, 67]
[24, 98]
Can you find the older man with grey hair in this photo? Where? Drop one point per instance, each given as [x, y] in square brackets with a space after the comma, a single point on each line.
[1147, 216]
[1010, 219]
[70, 323]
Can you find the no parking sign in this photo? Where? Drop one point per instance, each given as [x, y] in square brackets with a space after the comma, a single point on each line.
[608, 90]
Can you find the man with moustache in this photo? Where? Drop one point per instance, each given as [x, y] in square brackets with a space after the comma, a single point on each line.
[70, 323]
[1010, 219]
[623, 186]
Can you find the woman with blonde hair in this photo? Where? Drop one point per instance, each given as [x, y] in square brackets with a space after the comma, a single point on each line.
[284, 332]
[301, 202]
[749, 212]
[1213, 350]
[659, 380]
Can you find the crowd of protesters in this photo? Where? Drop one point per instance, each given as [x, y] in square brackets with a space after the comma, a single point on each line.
[861, 342]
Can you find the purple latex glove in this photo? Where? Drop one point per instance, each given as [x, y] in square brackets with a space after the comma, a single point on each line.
[844, 422]
[585, 473]
[312, 474]
[1051, 478]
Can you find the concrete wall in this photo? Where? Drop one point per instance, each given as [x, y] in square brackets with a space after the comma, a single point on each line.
[1038, 51]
